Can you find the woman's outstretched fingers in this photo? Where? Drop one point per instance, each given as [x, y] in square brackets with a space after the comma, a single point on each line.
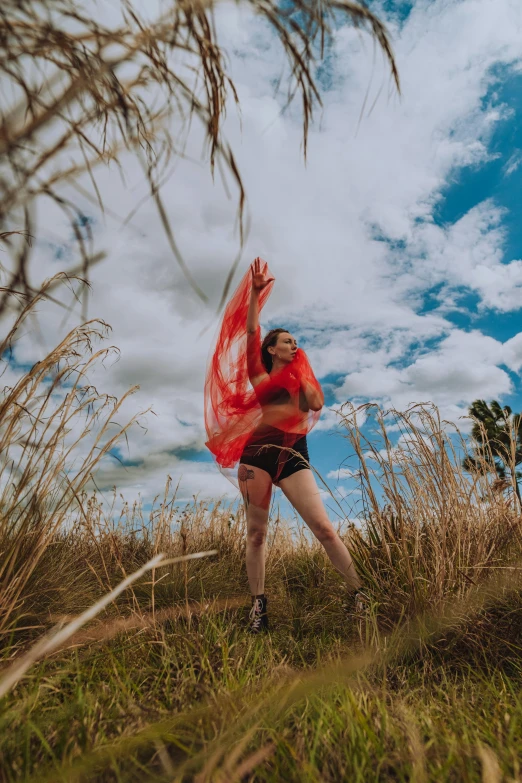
[265, 270]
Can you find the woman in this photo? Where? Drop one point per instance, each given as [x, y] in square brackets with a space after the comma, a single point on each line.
[261, 400]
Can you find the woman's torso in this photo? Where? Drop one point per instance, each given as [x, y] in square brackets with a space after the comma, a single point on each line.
[282, 408]
[287, 414]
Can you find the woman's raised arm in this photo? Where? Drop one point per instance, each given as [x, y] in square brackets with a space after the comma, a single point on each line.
[256, 369]
[252, 321]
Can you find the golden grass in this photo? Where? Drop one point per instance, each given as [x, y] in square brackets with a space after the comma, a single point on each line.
[45, 419]
[431, 530]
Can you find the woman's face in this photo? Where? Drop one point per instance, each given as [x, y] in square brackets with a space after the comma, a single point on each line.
[285, 347]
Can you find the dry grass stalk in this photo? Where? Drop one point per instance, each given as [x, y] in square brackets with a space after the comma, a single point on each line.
[491, 772]
[57, 639]
[108, 629]
[78, 94]
[248, 765]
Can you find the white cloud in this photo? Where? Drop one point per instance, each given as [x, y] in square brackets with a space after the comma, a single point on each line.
[512, 352]
[466, 256]
[346, 492]
[462, 368]
[195, 478]
[513, 163]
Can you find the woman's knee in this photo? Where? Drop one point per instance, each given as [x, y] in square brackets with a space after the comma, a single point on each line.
[324, 531]
[256, 537]
[256, 533]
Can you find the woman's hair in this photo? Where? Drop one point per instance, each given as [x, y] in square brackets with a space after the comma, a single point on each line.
[270, 340]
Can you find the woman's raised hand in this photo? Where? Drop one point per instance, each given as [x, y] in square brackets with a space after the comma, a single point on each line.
[260, 279]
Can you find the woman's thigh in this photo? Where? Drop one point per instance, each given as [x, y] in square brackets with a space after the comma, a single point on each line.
[303, 493]
[255, 485]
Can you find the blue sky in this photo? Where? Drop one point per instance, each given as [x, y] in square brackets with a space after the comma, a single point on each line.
[396, 249]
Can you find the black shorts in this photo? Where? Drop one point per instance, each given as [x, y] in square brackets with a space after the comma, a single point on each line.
[268, 458]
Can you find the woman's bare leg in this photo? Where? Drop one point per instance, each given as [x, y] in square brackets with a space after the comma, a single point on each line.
[303, 493]
[256, 487]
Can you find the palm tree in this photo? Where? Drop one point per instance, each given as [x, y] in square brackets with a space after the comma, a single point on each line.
[497, 433]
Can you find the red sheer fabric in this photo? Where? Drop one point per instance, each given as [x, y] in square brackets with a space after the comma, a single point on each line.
[234, 409]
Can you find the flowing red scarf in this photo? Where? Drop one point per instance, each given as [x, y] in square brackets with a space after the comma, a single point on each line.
[233, 409]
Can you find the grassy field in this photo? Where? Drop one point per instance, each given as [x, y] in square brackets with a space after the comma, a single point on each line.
[183, 693]
[164, 684]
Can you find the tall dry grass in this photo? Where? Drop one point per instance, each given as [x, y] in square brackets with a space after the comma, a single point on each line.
[55, 427]
[430, 530]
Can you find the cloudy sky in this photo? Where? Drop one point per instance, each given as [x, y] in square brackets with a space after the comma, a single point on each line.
[396, 249]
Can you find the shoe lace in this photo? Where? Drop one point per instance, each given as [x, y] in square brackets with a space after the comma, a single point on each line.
[255, 614]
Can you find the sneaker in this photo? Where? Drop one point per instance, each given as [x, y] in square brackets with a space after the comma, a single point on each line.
[356, 602]
[258, 617]
[361, 602]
